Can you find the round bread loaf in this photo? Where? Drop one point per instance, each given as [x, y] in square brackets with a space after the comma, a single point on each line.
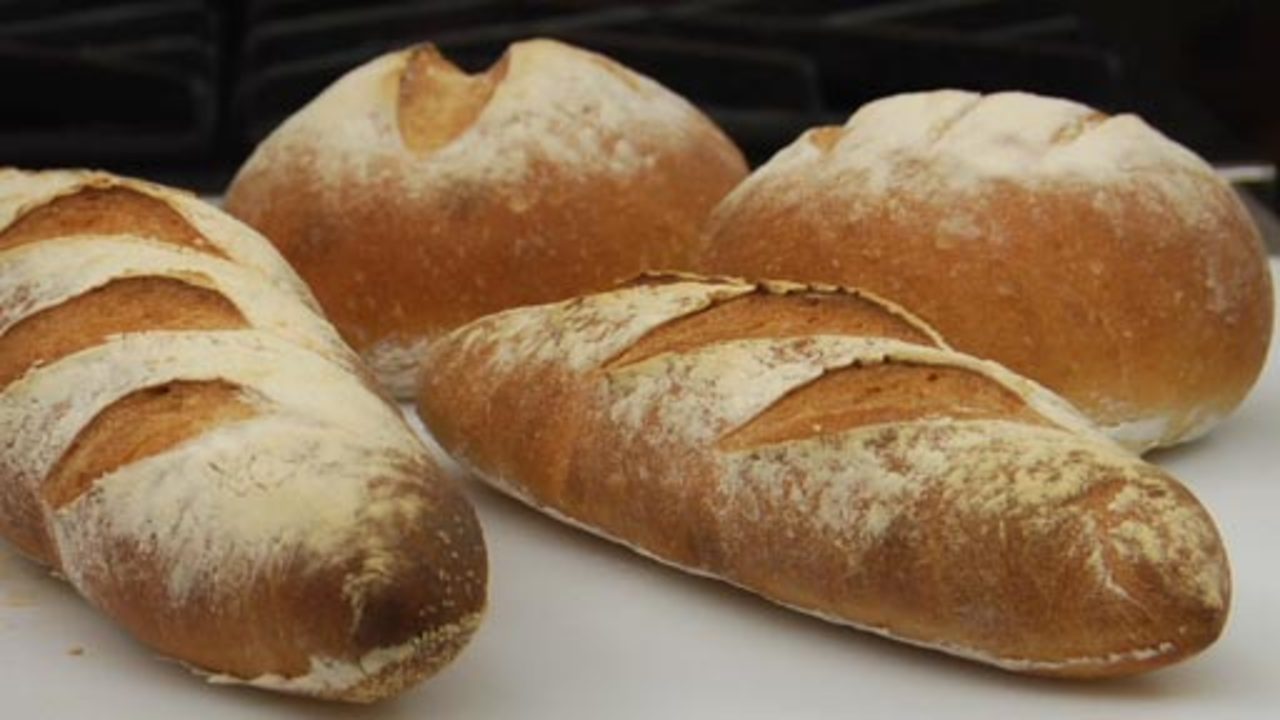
[1086, 251]
[413, 197]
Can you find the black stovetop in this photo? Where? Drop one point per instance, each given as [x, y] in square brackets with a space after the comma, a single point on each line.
[182, 89]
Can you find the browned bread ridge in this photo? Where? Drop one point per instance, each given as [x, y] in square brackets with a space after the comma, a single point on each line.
[828, 451]
[414, 197]
[191, 445]
[1085, 251]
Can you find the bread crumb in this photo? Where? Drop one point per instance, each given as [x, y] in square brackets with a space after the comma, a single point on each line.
[76, 651]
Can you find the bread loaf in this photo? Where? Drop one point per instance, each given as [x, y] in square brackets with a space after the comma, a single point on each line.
[414, 197]
[192, 446]
[1085, 251]
[828, 451]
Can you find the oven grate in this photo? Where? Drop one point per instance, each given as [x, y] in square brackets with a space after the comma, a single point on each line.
[191, 85]
[89, 82]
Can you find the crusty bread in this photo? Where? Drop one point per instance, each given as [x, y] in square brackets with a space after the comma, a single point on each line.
[1087, 252]
[828, 451]
[192, 446]
[413, 197]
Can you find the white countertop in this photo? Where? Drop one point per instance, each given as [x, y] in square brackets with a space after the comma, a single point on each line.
[582, 629]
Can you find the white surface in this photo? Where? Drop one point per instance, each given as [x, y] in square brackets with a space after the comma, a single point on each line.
[582, 629]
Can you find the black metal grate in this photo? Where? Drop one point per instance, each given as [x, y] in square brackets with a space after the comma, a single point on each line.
[93, 81]
[764, 70]
[191, 85]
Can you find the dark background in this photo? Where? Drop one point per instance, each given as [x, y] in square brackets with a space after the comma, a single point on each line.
[180, 90]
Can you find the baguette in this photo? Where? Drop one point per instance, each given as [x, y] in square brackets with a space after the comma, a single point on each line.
[190, 444]
[828, 451]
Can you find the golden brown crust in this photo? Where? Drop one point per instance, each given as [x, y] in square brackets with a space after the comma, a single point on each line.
[428, 655]
[437, 102]
[105, 211]
[760, 315]
[190, 445]
[858, 396]
[1101, 259]
[291, 615]
[137, 426]
[833, 467]
[127, 305]
[413, 198]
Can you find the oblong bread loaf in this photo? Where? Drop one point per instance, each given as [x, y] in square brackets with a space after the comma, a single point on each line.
[828, 451]
[191, 445]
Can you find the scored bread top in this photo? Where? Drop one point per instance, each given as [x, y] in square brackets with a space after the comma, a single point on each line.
[414, 196]
[826, 449]
[196, 450]
[543, 104]
[1087, 251]
[47, 204]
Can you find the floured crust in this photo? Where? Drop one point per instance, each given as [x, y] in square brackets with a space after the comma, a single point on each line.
[1086, 251]
[275, 510]
[379, 674]
[1092, 562]
[1116, 664]
[414, 198]
[22, 191]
